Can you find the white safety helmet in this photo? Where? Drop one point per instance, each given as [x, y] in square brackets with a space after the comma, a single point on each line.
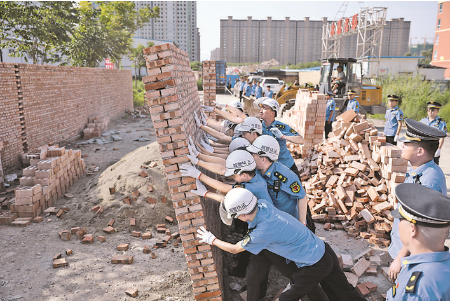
[257, 102]
[238, 143]
[238, 201]
[250, 124]
[265, 146]
[236, 104]
[239, 161]
[237, 133]
[272, 103]
[226, 124]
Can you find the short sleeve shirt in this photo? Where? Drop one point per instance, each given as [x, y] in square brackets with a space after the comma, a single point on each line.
[258, 92]
[258, 186]
[330, 107]
[393, 116]
[433, 283]
[285, 157]
[268, 94]
[353, 105]
[282, 234]
[290, 188]
[437, 123]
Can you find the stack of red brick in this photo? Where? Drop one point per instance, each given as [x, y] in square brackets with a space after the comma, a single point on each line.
[307, 117]
[49, 176]
[96, 126]
[209, 84]
[172, 96]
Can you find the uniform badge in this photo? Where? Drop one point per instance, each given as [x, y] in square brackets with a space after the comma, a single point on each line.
[281, 126]
[280, 177]
[239, 185]
[245, 240]
[295, 187]
[411, 285]
[293, 131]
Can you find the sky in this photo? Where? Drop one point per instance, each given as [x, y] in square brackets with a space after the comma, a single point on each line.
[422, 15]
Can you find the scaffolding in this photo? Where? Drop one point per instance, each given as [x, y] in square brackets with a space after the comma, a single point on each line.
[368, 26]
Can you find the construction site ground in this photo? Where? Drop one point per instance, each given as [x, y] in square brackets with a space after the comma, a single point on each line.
[27, 253]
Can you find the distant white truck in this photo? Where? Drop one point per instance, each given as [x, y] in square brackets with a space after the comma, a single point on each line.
[273, 82]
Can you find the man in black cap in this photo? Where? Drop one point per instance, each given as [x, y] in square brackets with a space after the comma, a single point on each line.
[424, 227]
[435, 121]
[419, 145]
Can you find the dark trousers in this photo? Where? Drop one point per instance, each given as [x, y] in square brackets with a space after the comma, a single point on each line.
[390, 139]
[328, 273]
[309, 222]
[257, 276]
[328, 128]
[241, 96]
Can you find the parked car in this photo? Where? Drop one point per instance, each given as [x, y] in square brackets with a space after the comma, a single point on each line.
[273, 82]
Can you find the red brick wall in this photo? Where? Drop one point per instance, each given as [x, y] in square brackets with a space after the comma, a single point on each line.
[54, 103]
[172, 95]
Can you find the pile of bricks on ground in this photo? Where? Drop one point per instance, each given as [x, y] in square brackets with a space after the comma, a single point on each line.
[51, 172]
[96, 126]
[143, 110]
[350, 179]
[307, 117]
[209, 85]
[366, 263]
[172, 96]
[2, 180]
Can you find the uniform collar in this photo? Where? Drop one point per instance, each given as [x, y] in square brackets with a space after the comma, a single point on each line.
[254, 179]
[270, 170]
[435, 119]
[421, 168]
[395, 108]
[268, 126]
[426, 258]
[258, 217]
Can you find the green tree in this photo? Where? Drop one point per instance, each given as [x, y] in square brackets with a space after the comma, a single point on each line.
[407, 54]
[106, 30]
[38, 29]
[137, 57]
[427, 54]
[195, 66]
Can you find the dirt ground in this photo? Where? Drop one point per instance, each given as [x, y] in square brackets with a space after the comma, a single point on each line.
[26, 253]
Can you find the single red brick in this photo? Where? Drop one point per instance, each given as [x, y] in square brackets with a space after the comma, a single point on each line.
[88, 239]
[122, 247]
[101, 238]
[111, 222]
[146, 235]
[150, 200]
[163, 199]
[143, 174]
[132, 221]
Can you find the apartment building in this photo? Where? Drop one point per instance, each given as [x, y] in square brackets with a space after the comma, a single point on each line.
[441, 44]
[296, 41]
[177, 23]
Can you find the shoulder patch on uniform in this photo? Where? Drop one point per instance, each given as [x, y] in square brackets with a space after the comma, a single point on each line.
[295, 187]
[281, 126]
[238, 185]
[411, 285]
[246, 239]
[280, 176]
[293, 131]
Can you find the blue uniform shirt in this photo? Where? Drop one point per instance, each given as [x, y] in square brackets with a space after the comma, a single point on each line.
[242, 84]
[253, 89]
[248, 90]
[258, 186]
[431, 176]
[353, 104]
[258, 92]
[330, 107]
[268, 94]
[290, 190]
[432, 284]
[393, 116]
[437, 123]
[284, 154]
[282, 234]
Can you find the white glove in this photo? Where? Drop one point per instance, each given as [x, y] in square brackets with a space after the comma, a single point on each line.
[208, 109]
[206, 146]
[189, 171]
[200, 190]
[220, 105]
[193, 151]
[396, 138]
[211, 137]
[206, 236]
[204, 117]
[438, 152]
[193, 159]
[276, 132]
[198, 123]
